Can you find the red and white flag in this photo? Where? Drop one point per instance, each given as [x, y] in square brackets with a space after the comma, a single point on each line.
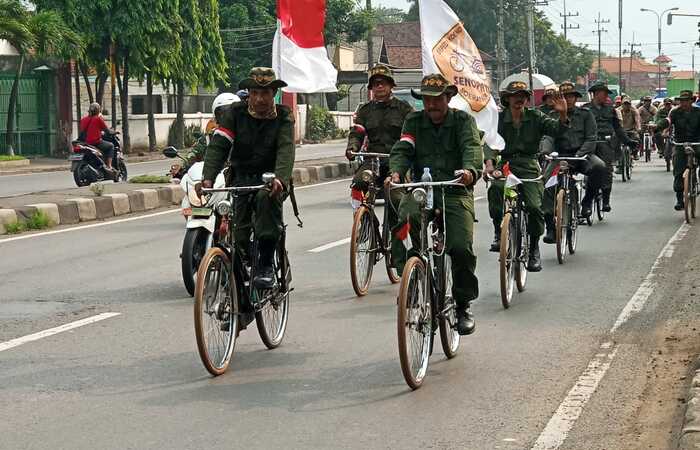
[553, 178]
[299, 55]
[448, 49]
[511, 179]
[404, 235]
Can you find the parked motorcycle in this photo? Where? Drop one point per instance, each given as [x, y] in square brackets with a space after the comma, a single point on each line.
[88, 166]
[202, 220]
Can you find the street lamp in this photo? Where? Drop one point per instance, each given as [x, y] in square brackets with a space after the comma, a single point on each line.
[659, 16]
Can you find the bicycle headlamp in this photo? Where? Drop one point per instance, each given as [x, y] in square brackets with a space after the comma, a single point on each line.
[419, 195]
[223, 208]
[564, 165]
[367, 176]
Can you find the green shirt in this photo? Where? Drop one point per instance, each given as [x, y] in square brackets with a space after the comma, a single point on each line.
[686, 124]
[523, 140]
[381, 122]
[450, 146]
[254, 146]
[581, 135]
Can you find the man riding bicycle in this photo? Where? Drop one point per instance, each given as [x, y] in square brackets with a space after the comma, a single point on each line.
[578, 140]
[631, 124]
[442, 140]
[380, 121]
[522, 129]
[257, 137]
[686, 128]
[659, 135]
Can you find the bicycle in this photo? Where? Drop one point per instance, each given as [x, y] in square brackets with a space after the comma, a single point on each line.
[567, 210]
[425, 301]
[690, 179]
[625, 163]
[515, 241]
[647, 143]
[226, 301]
[369, 243]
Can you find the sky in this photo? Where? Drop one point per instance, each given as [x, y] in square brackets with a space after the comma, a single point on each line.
[644, 25]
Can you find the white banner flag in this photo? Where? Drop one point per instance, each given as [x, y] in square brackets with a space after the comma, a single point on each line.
[448, 49]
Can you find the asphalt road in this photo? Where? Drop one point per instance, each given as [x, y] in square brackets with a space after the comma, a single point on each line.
[135, 380]
[12, 185]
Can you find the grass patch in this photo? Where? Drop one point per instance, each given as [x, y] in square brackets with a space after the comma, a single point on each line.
[11, 158]
[38, 221]
[15, 227]
[150, 179]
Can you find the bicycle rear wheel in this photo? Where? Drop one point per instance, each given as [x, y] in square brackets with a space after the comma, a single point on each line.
[215, 318]
[687, 186]
[560, 218]
[522, 252]
[449, 337]
[414, 322]
[572, 231]
[271, 320]
[507, 259]
[362, 250]
[391, 271]
[598, 203]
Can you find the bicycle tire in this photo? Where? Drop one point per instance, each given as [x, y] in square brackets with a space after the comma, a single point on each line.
[449, 337]
[506, 260]
[629, 167]
[693, 191]
[362, 228]
[599, 207]
[194, 246]
[523, 251]
[623, 169]
[391, 271]
[686, 196]
[225, 309]
[272, 336]
[412, 297]
[560, 224]
[572, 231]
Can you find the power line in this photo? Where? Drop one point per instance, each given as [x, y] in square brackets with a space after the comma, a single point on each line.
[600, 30]
[566, 15]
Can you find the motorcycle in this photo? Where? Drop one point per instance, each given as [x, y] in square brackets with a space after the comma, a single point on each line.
[203, 224]
[88, 165]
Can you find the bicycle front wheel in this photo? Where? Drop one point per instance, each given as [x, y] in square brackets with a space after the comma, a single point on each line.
[598, 203]
[215, 318]
[628, 166]
[271, 320]
[414, 322]
[507, 259]
[560, 218]
[686, 195]
[449, 337]
[362, 250]
[574, 214]
[522, 252]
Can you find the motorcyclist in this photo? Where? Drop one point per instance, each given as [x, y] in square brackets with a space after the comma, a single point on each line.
[91, 128]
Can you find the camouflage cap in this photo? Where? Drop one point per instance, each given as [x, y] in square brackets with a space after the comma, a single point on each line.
[514, 87]
[549, 92]
[686, 95]
[599, 86]
[434, 85]
[626, 99]
[261, 77]
[646, 98]
[567, 88]
[668, 100]
[380, 70]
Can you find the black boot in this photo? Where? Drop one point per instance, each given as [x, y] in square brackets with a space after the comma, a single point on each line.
[496, 244]
[550, 236]
[534, 263]
[586, 204]
[465, 321]
[264, 273]
[606, 200]
[680, 203]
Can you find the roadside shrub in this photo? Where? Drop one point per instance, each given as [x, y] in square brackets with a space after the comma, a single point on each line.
[321, 125]
[97, 188]
[11, 158]
[190, 131]
[15, 227]
[38, 221]
[150, 179]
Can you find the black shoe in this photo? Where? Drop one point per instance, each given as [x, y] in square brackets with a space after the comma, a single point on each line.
[534, 263]
[550, 236]
[465, 322]
[496, 244]
[264, 278]
[680, 203]
[606, 207]
[586, 210]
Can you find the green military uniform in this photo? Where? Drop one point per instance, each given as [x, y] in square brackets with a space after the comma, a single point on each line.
[254, 145]
[380, 123]
[686, 128]
[661, 114]
[452, 145]
[521, 151]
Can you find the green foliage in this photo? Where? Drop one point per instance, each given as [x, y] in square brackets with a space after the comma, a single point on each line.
[38, 221]
[11, 157]
[144, 179]
[190, 132]
[321, 125]
[15, 227]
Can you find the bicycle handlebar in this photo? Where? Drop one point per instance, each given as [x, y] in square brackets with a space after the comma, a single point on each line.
[371, 155]
[426, 184]
[564, 158]
[235, 189]
[685, 144]
[524, 180]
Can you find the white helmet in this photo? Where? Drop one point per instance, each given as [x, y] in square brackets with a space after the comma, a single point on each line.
[224, 99]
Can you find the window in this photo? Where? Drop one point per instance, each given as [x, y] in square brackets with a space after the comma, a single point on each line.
[138, 104]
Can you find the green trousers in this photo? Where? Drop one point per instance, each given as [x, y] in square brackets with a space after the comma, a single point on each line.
[680, 162]
[258, 212]
[459, 221]
[532, 193]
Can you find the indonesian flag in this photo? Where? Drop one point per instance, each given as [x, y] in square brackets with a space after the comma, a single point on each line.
[404, 235]
[448, 49]
[511, 179]
[552, 179]
[299, 54]
[356, 198]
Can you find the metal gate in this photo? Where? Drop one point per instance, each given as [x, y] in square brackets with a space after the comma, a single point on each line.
[35, 121]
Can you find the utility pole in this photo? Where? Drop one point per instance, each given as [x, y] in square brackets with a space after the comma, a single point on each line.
[600, 31]
[531, 60]
[370, 58]
[619, 36]
[632, 46]
[500, 47]
[566, 16]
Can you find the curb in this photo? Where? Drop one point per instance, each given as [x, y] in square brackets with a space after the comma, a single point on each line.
[14, 163]
[76, 210]
[690, 433]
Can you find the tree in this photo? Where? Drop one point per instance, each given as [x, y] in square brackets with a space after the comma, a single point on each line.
[43, 34]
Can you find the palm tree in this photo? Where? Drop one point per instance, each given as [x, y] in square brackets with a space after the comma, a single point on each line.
[41, 34]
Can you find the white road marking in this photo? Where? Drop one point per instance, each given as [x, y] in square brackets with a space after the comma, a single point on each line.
[309, 186]
[51, 331]
[330, 245]
[563, 420]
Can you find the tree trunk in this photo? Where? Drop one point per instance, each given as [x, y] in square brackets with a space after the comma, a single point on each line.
[149, 112]
[88, 86]
[123, 86]
[76, 80]
[12, 108]
[180, 119]
[100, 83]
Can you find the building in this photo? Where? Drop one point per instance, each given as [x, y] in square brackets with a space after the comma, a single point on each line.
[637, 73]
